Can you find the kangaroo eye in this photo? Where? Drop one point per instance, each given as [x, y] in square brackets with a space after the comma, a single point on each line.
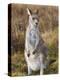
[33, 18]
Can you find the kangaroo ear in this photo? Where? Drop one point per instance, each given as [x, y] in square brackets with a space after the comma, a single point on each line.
[36, 11]
[29, 11]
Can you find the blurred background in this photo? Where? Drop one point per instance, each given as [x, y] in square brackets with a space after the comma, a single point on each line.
[48, 25]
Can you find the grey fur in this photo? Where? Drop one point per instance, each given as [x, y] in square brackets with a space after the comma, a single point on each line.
[35, 47]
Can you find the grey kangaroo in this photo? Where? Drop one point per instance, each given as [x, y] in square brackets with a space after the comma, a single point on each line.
[36, 51]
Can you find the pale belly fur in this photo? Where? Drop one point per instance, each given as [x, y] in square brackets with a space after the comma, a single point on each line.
[34, 63]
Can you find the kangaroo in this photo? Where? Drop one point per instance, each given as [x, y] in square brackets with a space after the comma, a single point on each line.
[36, 50]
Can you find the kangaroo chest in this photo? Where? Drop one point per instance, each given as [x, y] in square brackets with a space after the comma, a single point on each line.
[33, 33]
[32, 36]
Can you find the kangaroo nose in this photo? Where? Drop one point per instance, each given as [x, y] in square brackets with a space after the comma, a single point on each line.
[36, 23]
[28, 54]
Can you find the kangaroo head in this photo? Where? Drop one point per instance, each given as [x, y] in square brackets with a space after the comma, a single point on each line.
[33, 18]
